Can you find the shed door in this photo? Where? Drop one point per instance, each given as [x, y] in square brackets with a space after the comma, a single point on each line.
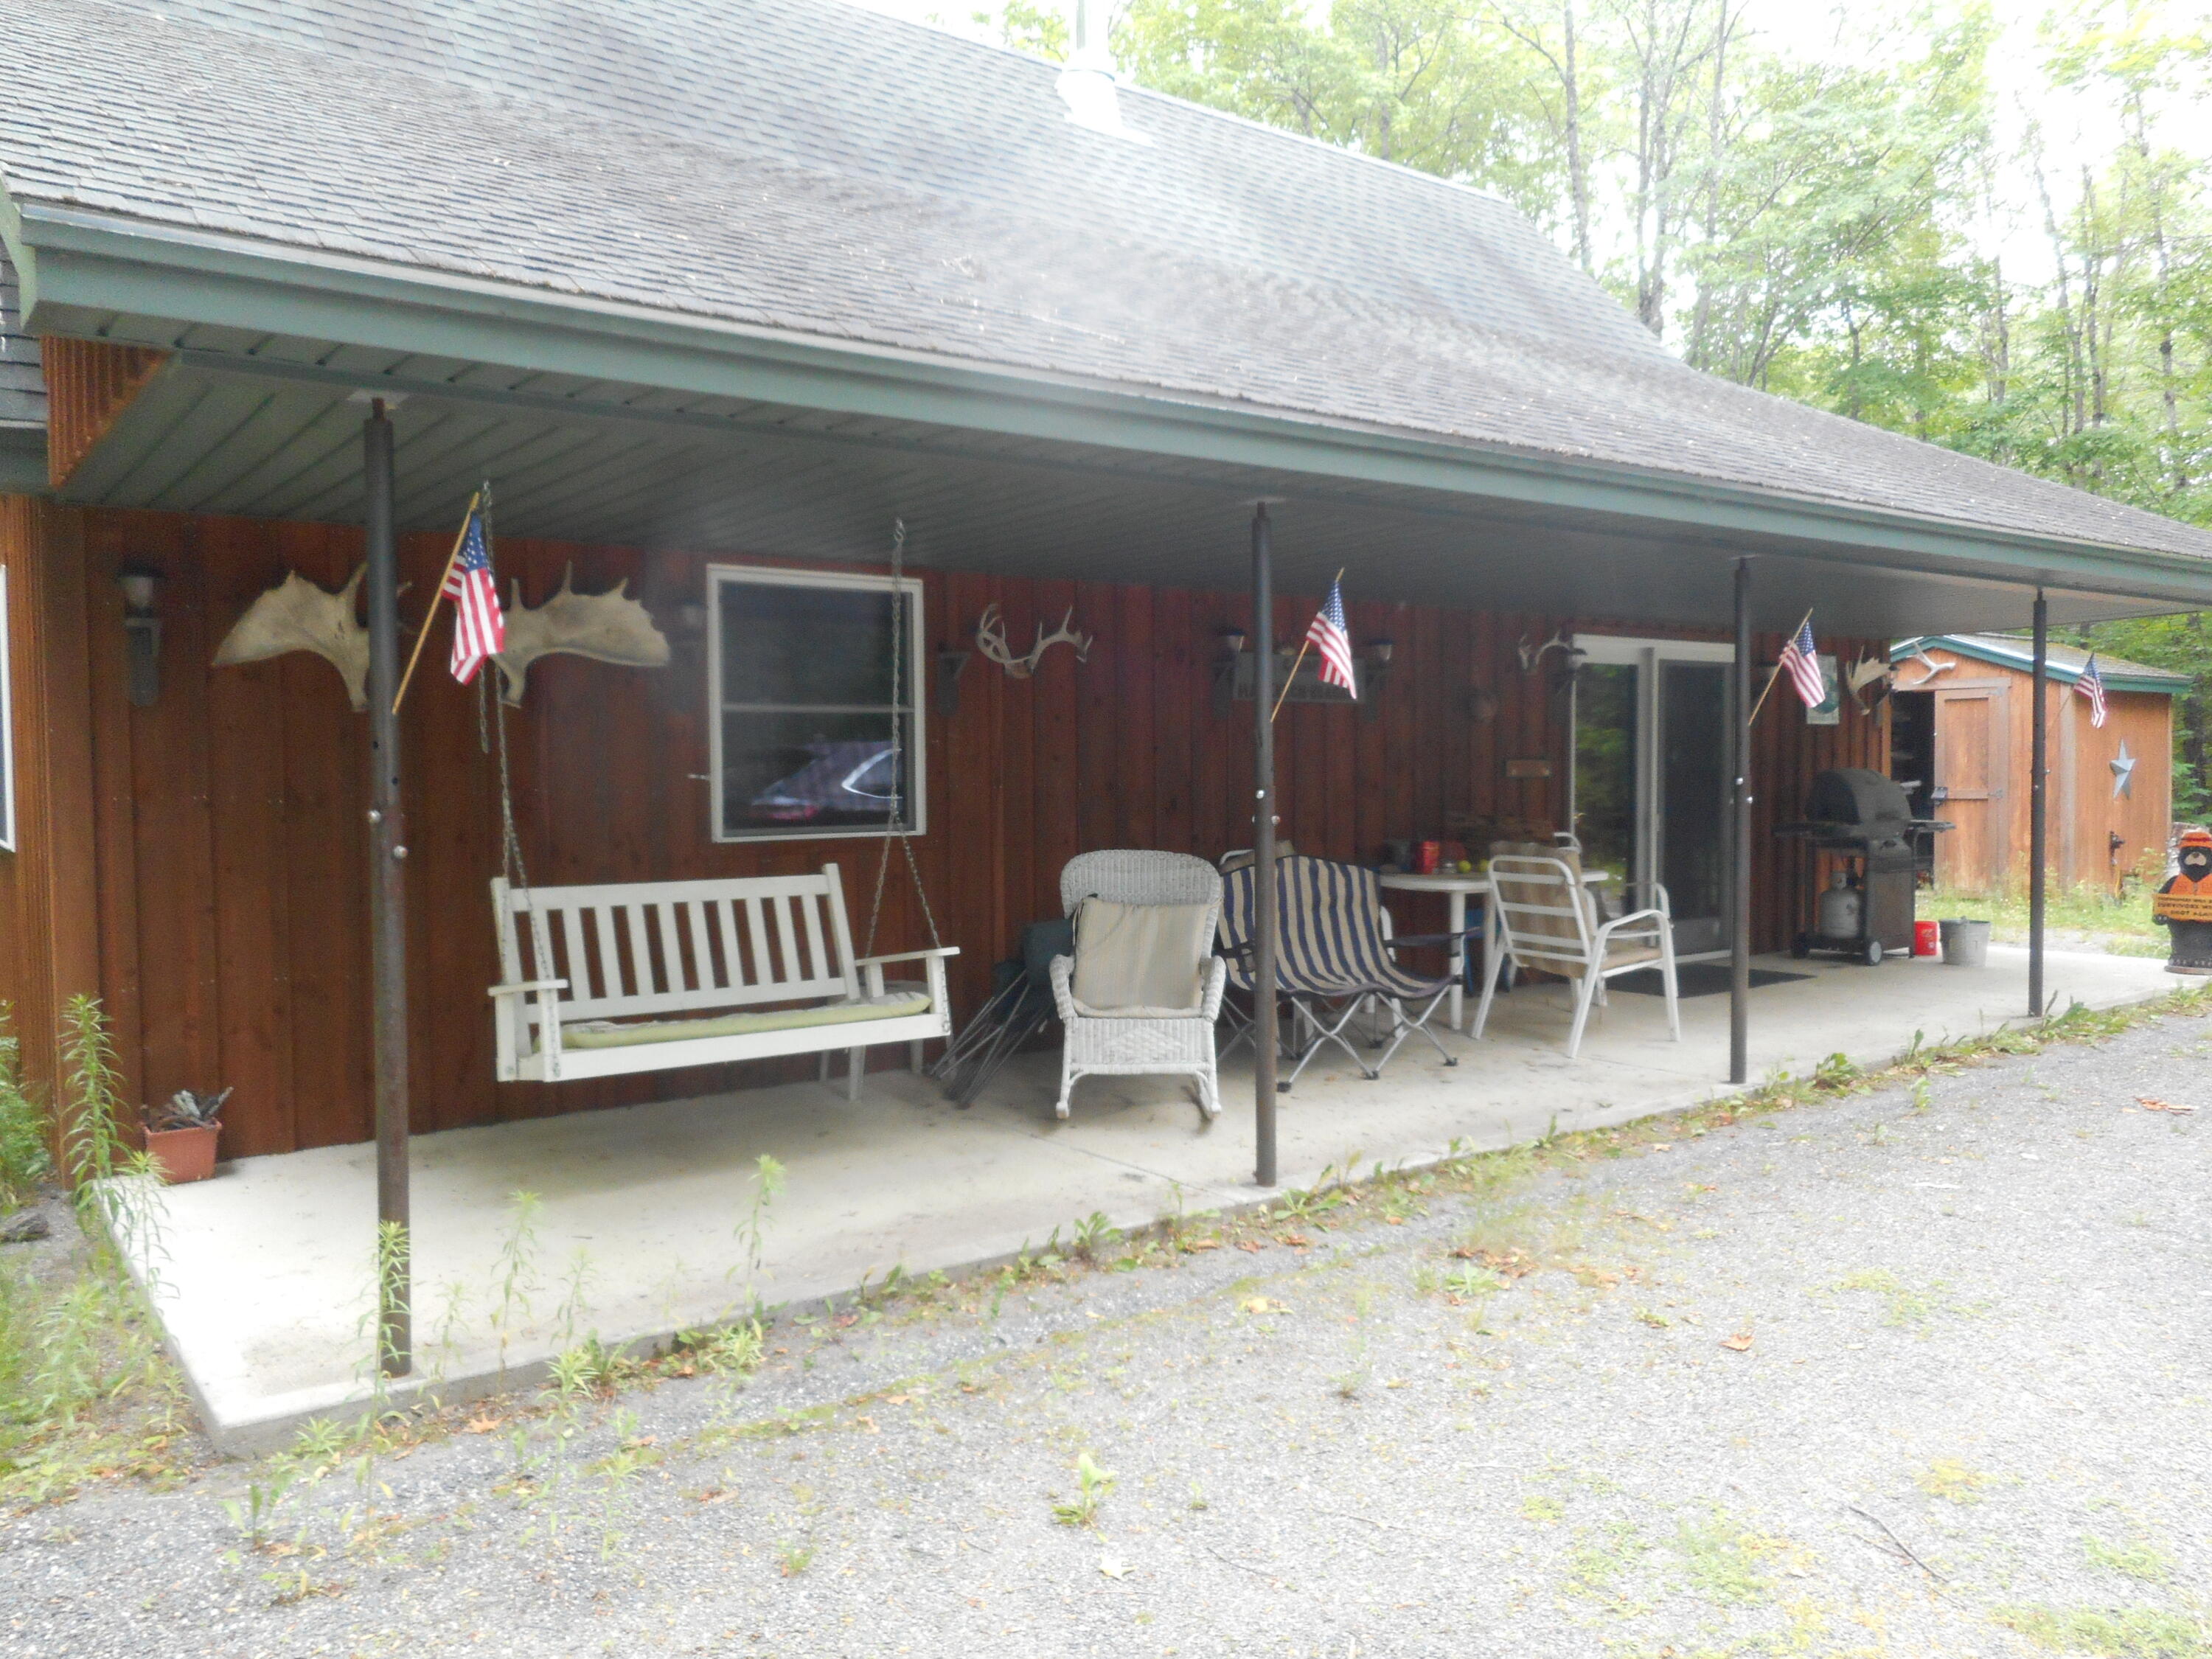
[1973, 730]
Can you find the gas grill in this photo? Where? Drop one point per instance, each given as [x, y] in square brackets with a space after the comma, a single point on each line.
[1865, 817]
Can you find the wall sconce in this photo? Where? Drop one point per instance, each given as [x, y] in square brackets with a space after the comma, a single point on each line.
[142, 624]
[951, 664]
[1378, 675]
[1232, 641]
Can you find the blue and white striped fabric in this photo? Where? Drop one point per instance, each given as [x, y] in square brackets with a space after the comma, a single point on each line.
[1330, 930]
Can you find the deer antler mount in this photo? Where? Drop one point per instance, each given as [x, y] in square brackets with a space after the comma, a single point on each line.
[991, 641]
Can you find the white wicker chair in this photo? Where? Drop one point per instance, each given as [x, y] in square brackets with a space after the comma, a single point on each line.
[1147, 1045]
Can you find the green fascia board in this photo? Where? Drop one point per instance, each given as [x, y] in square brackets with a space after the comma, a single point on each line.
[2160, 682]
[79, 267]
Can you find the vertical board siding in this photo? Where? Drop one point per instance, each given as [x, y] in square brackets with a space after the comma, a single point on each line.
[230, 837]
[89, 382]
[2082, 812]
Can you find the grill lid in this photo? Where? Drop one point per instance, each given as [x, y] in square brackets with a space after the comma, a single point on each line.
[1852, 794]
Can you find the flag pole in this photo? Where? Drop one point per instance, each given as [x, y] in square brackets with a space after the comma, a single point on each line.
[1303, 645]
[1777, 673]
[437, 594]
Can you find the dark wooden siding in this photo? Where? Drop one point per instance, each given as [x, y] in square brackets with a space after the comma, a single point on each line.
[88, 384]
[229, 838]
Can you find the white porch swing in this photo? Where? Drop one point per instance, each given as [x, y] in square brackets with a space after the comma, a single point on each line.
[611, 980]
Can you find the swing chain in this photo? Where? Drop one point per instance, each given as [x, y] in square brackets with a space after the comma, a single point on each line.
[899, 771]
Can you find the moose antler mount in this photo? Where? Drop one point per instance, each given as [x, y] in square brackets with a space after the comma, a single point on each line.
[299, 614]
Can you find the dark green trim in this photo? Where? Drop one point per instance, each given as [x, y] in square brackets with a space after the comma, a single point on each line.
[2159, 682]
[81, 269]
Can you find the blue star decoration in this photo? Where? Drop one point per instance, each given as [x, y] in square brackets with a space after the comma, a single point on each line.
[2124, 772]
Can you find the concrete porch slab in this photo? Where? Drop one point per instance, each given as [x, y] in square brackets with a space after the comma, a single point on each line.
[265, 1275]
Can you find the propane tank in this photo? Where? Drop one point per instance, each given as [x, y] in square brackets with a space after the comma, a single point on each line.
[1839, 909]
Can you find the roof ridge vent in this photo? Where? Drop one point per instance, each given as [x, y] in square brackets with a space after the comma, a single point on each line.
[1088, 79]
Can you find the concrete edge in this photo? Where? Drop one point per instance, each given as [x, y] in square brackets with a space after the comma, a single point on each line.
[266, 1431]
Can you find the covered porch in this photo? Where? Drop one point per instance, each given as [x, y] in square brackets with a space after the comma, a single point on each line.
[268, 891]
[640, 1228]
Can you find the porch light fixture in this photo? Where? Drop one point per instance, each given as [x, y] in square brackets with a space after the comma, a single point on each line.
[1376, 675]
[1231, 639]
[142, 624]
[951, 664]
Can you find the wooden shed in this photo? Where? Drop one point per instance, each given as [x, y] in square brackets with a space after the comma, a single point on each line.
[1960, 721]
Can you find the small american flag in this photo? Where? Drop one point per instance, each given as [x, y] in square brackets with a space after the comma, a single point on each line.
[1330, 637]
[479, 628]
[1802, 662]
[2092, 686]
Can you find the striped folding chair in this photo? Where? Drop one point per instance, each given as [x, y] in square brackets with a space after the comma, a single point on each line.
[1333, 958]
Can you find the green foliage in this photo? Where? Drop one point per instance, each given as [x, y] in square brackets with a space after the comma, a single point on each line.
[2125, 1634]
[1094, 1484]
[24, 1158]
[84, 1386]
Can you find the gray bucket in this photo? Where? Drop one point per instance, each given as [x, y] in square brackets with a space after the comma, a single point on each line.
[1965, 944]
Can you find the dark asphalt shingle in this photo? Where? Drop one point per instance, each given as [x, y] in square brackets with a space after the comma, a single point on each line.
[23, 386]
[810, 167]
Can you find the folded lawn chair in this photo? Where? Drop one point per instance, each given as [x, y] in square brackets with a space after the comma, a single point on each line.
[1141, 992]
[1546, 920]
[1334, 958]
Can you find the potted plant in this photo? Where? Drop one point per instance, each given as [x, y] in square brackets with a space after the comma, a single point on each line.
[180, 1136]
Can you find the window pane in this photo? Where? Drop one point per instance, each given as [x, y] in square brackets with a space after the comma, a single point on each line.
[806, 645]
[788, 772]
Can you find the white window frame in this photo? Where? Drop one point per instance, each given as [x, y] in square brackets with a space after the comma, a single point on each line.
[719, 575]
[8, 836]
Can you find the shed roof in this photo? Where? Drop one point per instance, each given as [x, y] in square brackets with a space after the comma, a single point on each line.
[2063, 663]
[827, 172]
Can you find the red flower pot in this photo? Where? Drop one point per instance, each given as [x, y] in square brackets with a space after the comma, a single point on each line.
[183, 1155]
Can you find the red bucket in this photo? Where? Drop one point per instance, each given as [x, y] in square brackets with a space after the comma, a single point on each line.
[1923, 939]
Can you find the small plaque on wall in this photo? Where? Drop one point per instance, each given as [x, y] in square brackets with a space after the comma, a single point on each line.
[1528, 769]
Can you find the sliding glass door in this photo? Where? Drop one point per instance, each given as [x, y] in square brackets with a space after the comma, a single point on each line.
[1651, 775]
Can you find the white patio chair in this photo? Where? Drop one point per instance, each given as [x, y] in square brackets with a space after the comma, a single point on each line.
[1140, 995]
[1546, 919]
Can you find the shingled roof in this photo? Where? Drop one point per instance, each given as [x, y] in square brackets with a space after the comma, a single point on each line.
[22, 387]
[817, 168]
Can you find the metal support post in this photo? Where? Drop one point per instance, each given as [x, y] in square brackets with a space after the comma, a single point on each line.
[1264, 1035]
[1739, 843]
[2038, 769]
[387, 897]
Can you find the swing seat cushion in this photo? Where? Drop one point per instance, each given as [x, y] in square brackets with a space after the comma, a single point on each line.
[895, 1003]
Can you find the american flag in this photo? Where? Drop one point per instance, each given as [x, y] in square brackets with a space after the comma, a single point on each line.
[1332, 639]
[2092, 686]
[479, 628]
[1801, 661]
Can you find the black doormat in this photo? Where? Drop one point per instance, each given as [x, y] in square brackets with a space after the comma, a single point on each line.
[1696, 979]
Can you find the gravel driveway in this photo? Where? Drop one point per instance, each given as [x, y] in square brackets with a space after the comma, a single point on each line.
[1881, 1374]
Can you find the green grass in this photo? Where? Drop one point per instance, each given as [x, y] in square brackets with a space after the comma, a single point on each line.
[2125, 1633]
[24, 1158]
[2122, 926]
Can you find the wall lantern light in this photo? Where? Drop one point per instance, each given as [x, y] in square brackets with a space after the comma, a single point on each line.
[1232, 641]
[1379, 654]
[142, 624]
[951, 664]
